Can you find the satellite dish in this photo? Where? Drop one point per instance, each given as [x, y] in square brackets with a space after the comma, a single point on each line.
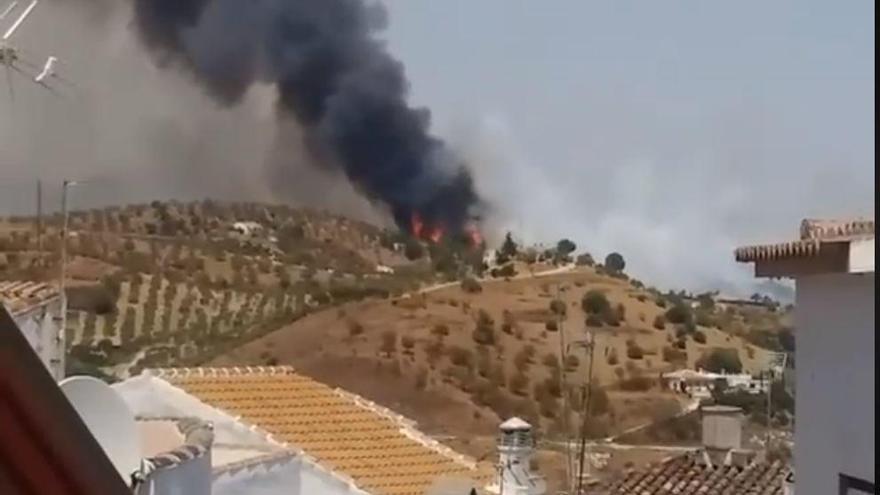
[109, 420]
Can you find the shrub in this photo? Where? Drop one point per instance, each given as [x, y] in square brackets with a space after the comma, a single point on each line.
[550, 360]
[471, 286]
[699, 337]
[679, 314]
[594, 302]
[440, 330]
[408, 343]
[551, 325]
[421, 381]
[519, 383]
[413, 250]
[572, 362]
[389, 342]
[92, 298]
[611, 318]
[355, 328]
[505, 271]
[484, 333]
[585, 260]
[673, 355]
[524, 357]
[557, 306]
[593, 321]
[637, 383]
[633, 351]
[612, 358]
[460, 356]
[660, 322]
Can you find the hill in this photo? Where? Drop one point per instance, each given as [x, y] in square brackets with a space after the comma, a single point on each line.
[398, 320]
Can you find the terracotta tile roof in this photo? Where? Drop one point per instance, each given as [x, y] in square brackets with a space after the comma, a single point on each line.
[349, 435]
[689, 475]
[19, 296]
[814, 234]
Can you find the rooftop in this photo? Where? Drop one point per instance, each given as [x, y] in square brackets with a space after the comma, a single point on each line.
[825, 243]
[690, 475]
[20, 296]
[380, 451]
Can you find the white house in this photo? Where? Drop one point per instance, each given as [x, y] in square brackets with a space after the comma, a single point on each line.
[247, 228]
[278, 432]
[833, 267]
[36, 309]
[698, 383]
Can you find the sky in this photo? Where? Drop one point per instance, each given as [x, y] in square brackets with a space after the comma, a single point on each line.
[670, 132]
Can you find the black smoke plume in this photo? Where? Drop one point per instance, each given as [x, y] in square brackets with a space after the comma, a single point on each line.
[335, 78]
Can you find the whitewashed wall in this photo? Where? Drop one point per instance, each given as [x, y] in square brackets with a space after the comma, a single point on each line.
[834, 433]
[190, 477]
[41, 330]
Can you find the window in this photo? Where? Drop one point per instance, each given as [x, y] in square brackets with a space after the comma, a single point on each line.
[855, 486]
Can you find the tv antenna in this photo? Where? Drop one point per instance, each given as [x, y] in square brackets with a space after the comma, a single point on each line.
[11, 57]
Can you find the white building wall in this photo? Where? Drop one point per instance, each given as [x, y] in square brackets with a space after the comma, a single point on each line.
[834, 433]
[42, 331]
[191, 477]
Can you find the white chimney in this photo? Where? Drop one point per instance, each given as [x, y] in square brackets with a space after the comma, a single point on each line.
[515, 447]
[722, 427]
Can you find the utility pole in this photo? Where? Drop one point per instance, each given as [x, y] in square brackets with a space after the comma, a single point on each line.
[563, 386]
[770, 399]
[590, 345]
[40, 221]
[63, 282]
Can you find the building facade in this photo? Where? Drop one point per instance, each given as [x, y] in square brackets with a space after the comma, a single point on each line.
[37, 310]
[833, 267]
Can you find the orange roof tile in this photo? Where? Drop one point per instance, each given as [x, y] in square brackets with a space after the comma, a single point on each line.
[19, 296]
[686, 475]
[341, 431]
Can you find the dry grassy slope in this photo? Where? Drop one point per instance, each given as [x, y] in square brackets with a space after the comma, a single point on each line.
[322, 345]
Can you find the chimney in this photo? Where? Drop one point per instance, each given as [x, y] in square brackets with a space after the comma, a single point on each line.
[515, 447]
[722, 434]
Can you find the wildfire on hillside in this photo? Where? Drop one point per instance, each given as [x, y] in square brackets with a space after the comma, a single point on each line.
[436, 233]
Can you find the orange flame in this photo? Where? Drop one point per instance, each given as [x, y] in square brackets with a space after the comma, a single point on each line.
[436, 234]
[417, 226]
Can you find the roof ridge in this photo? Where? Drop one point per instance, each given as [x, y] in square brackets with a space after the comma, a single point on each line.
[220, 371]
[827, 229]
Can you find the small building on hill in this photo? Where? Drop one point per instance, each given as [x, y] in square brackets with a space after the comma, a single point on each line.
[832, 264]
[335, 442]
[699, 383]
[36, 308]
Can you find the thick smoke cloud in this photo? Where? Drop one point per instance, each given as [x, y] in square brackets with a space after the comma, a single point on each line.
[334, 78]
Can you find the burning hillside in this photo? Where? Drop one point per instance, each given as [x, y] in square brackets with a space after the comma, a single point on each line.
[336, 79]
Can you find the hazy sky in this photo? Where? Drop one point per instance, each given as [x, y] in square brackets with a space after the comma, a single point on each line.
[670, 131]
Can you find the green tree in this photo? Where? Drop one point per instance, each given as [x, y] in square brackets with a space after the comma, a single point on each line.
[508, 250]
[594, 302]
[615, 262]
[565, 247]
[585, 259]
[721, 360]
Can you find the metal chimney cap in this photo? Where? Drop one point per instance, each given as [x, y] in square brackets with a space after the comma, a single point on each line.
[515, 424]
[722, 409]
